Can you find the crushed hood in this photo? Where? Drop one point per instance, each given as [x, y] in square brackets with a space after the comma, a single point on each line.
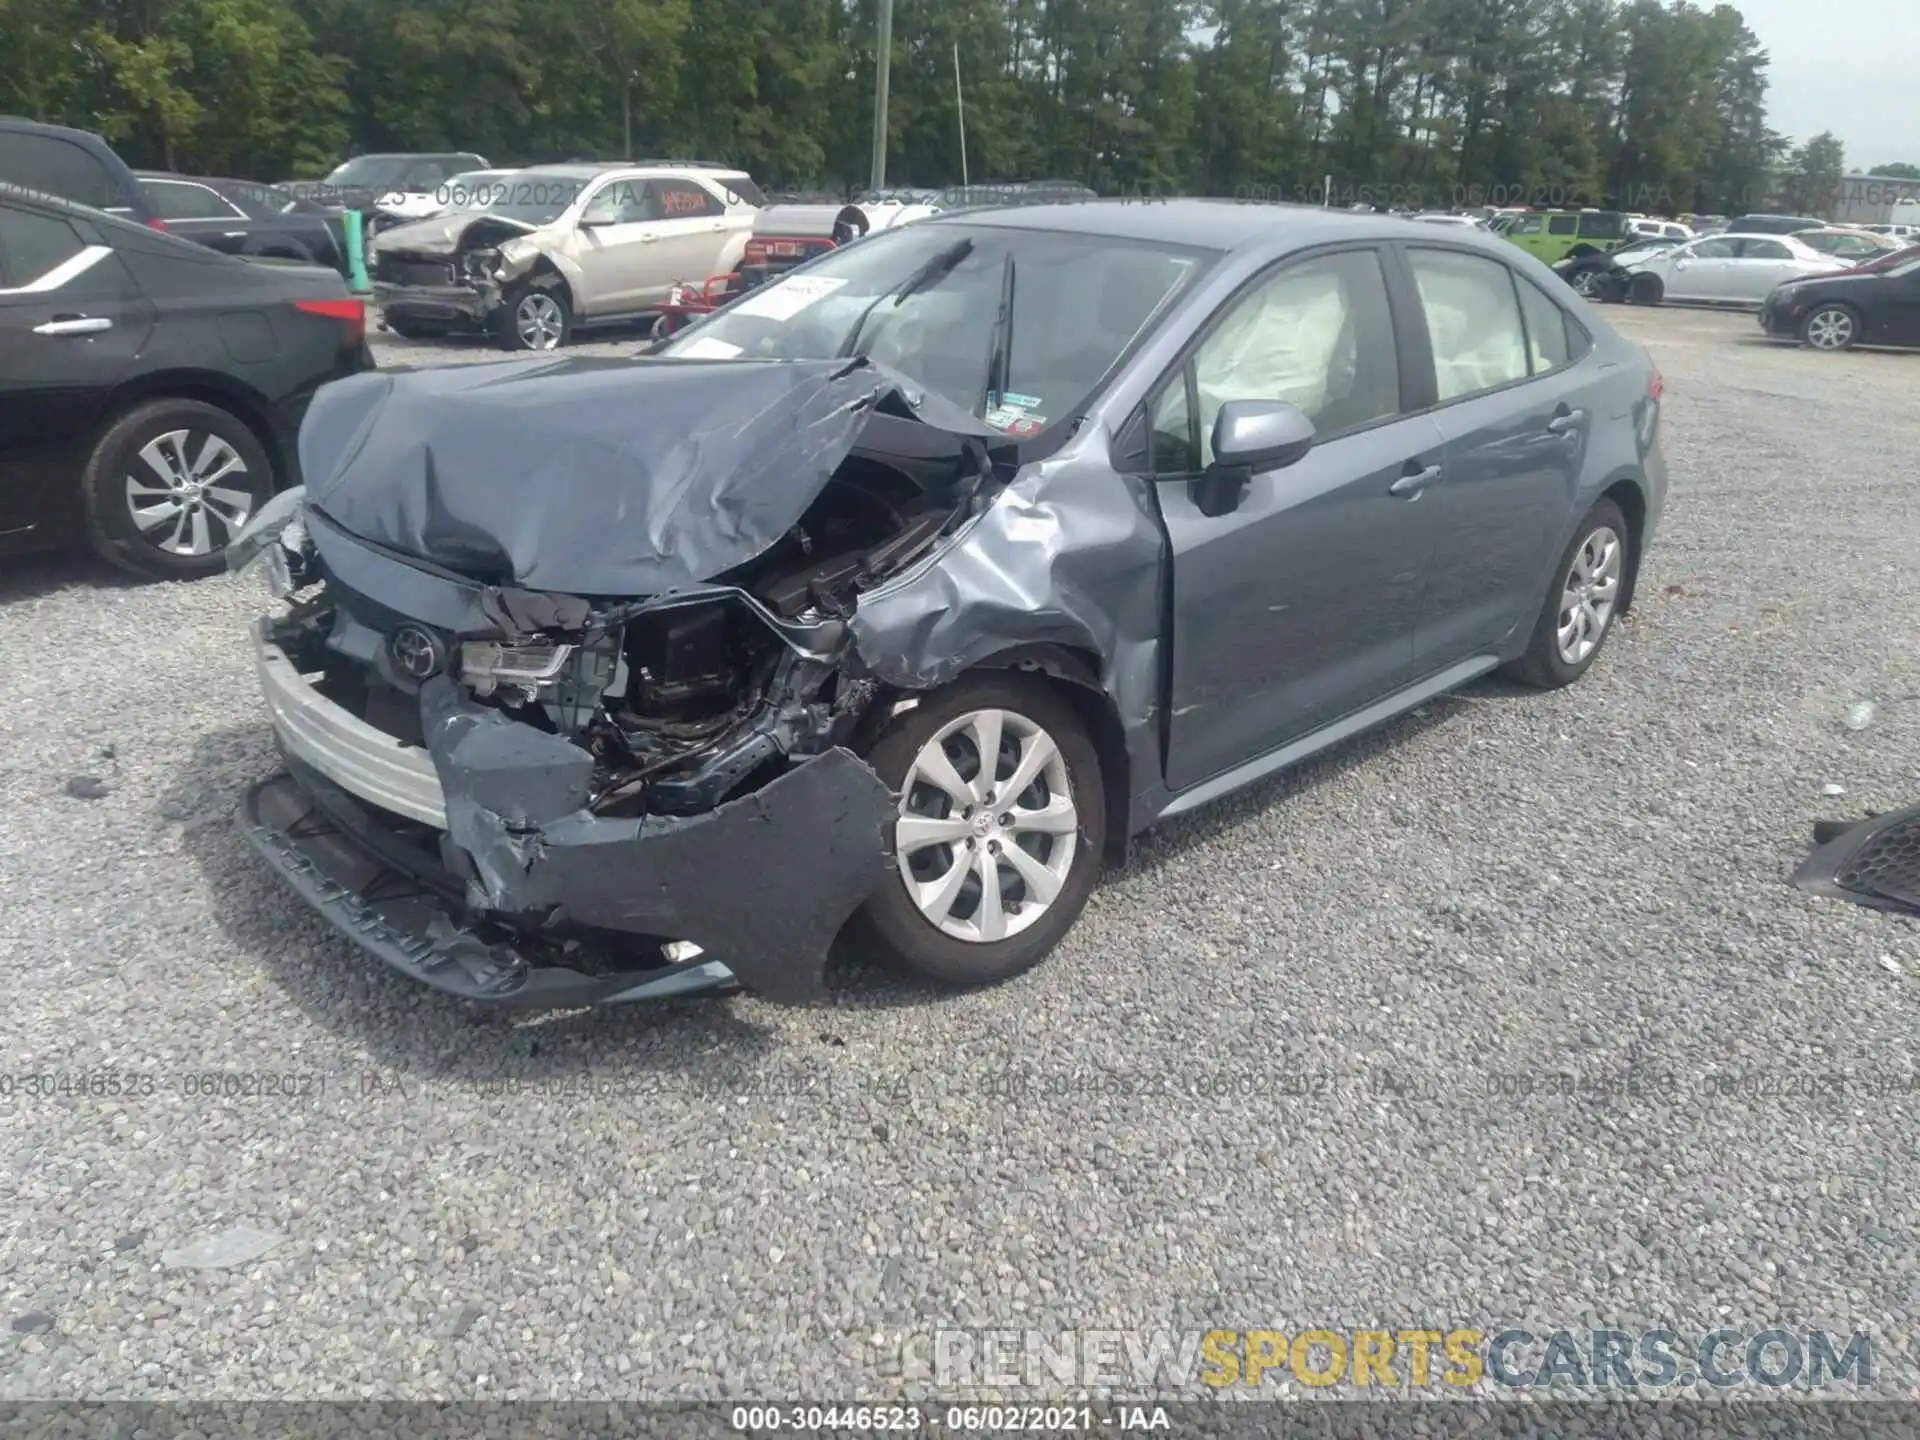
[445, 234]
[596, 476]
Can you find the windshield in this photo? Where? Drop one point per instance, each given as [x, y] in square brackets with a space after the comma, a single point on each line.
[1078, 303]
[1892, 260]
[370, 170]
[529, 197]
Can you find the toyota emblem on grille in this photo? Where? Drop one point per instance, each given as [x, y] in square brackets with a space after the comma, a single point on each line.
[417, 654]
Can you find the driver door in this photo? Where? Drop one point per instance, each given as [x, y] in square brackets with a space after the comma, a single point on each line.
[1699, 271]
[1297, 606]
[617, 245]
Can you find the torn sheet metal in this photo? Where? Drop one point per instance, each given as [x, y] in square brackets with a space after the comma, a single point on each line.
[587, 476]
[1070, 555]
[1875, 863]
[816, 840]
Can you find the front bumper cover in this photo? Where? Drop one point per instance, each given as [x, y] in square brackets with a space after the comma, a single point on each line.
[506, 905]
[475, 304]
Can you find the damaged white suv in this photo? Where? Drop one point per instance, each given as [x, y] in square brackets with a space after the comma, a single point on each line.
[541, 252]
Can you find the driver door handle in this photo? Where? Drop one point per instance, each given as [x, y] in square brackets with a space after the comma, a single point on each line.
[1414, 481]
[74, 325]
[1567, 423]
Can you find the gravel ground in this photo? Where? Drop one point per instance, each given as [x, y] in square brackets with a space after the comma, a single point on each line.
[728, 1198]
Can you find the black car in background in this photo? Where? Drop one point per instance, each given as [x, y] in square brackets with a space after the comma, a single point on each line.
[1875, 303]
[1601, 274]
[244, 217]
[74, 165]
[151, 389]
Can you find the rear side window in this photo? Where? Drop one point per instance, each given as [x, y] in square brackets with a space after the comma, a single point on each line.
[1563, 224]
[32, 244]
[1473, 321]
[1603, 225]
[684, 200]
[740, 188]
[57, 167]
[175, 201]
[1548, 345]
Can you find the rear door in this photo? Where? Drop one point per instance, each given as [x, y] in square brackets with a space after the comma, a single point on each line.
[1563, 233]
[1297, 606]
[73, 324]
[695, 226]
[1509, 395]
[1757, 268]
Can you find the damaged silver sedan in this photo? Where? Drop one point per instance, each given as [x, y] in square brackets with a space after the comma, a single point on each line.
[902, 592]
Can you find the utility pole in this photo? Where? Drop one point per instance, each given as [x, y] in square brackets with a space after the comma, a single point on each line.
[961, 104]
[880, 96]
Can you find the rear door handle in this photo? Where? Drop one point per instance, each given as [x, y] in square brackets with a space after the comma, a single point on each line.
[1567, 423]
[74, 325]
[1414, 481]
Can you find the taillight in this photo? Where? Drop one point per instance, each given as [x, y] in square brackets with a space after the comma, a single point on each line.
[154, 222]
[756, 253]
[353, 313]
[1656, 387]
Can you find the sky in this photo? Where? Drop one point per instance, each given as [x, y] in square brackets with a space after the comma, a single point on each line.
[1848, 68]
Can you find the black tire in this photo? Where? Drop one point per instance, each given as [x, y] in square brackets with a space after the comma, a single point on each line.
[891, 924]
[116, 460]
[1646, 289]
[1543, 665]
[544, 291]
[1839, 328]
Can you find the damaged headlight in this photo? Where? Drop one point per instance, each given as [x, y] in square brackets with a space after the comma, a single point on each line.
[481, 265]
[276, 541]
[568, 681]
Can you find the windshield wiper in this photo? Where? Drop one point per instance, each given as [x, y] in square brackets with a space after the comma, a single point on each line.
[1000, 347]
[936, 268]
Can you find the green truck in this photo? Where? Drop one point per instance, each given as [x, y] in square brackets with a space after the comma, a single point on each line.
[1552, 235]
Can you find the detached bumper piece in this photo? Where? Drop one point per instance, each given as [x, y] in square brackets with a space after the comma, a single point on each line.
[1875, 863]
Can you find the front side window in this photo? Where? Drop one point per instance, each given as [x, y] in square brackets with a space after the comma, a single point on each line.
[1318, 334]
[1473, 321]
[1525, 225]
[1707, 250]
[32, 245]
[622, 202]
[924, 300]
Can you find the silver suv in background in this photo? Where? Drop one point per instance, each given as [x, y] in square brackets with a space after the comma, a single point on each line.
[555, 248]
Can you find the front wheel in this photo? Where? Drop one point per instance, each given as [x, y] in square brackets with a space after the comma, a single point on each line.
[1646, 290]
[1586, 283]
[1830, 327]
[535, 316]
[1580, 608]
[1000, 831]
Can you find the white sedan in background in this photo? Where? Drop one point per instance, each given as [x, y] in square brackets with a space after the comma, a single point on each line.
[1725, 269]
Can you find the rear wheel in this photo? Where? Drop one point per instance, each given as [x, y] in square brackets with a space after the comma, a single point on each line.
[1000, 832]
[1830, 327]
[1580, 608]
[170, 484]
[1646, 290]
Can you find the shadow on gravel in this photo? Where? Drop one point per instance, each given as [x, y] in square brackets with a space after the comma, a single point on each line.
[28, 577]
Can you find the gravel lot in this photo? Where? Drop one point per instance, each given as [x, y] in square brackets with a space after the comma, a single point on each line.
[728, 1198]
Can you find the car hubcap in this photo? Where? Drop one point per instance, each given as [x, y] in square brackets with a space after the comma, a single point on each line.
[539, 322]
[1587, 598]
[1586, 283]
[987, 829]
[189, 492]
[1830, 329]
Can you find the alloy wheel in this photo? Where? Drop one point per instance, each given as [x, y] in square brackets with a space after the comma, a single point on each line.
[1587, 283]
[538, 320]
[1588, 595]
[987, 829]
[189, 492]
[1830, 329]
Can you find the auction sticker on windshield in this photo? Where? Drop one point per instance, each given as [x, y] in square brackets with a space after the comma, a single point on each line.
[705, 347]
[787, 298]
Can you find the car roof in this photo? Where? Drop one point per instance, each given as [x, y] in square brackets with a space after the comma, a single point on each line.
[1219, 225]
[103, 220]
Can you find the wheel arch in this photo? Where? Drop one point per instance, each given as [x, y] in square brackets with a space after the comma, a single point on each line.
[1074, 674]
[1627, 494]
[247, 406]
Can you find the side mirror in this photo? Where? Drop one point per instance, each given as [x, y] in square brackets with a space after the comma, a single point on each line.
[1249, 436]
